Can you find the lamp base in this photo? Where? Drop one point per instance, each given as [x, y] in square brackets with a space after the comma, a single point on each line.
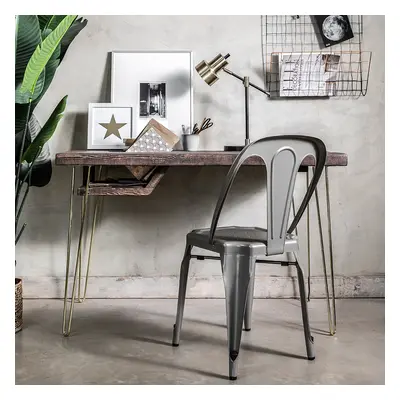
[233, 148]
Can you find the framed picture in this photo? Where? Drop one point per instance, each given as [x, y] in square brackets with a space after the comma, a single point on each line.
[158, 84]
[334, 29]
[108, 125]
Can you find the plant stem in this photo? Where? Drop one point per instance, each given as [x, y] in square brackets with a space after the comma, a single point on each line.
[21, 207]
[21, 183]
[21, 152]
[20, 233]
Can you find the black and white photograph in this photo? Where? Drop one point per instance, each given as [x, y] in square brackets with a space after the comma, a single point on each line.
[152, 99]
[334, 29]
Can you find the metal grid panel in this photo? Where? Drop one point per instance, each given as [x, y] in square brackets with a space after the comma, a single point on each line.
[293, 41]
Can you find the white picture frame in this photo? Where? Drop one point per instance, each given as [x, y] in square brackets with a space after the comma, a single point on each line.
[173, 69]
[99, 137]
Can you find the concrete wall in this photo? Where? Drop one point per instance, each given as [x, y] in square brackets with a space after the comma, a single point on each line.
[140, 240]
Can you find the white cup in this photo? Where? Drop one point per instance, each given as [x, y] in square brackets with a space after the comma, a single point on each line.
[190, 142]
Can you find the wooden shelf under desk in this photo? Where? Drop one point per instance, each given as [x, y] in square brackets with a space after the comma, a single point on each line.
[110, 189]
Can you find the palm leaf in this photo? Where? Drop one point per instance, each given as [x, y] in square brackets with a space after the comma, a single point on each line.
[43, 20]
[16, 33]
[20, 116]
[46, 132]
[51, 68]
[26, 97]
[42, 169]
[41, 173]
[54, 21]
[28, 37]
[73, 31]
[43, 53]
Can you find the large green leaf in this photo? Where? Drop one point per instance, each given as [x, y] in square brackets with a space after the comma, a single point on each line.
[42, 168]
[54, 21]
[20, 116]
[28, 37]
[51, 68]
[26, 97]
[18, 144]
[16, 33]
[43, 53]
[46, 132]
[21, 109]
[73, 31]
[41, 171]
[43, 20]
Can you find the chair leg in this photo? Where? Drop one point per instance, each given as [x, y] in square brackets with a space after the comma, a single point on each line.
[182, 294]
[249, 304]
[306, 324]
[237, 272]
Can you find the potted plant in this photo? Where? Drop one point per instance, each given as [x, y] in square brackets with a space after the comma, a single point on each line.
[41, 42]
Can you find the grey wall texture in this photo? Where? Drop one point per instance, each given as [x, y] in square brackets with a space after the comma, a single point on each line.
[140, 241]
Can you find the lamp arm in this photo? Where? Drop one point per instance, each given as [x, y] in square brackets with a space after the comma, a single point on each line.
[242, 79]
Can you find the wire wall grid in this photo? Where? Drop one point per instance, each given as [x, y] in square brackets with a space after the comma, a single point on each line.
[296, 62]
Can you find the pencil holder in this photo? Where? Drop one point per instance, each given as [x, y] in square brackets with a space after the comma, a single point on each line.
[190, 142]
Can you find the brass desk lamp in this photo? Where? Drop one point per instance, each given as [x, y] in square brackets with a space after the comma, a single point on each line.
[209, 71]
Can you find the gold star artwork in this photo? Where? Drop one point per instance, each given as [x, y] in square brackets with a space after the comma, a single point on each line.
[112, 128]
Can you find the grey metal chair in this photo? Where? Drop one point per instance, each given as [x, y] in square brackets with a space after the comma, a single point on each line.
[240, 248]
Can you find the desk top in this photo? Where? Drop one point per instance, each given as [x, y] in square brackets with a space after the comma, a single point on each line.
[174, 158]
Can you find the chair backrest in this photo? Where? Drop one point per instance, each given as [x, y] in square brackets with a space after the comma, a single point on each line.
[282, 156]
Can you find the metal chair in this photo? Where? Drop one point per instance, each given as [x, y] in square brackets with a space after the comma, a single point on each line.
[240, 247]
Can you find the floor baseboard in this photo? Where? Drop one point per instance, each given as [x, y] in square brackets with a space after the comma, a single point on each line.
[201, 287]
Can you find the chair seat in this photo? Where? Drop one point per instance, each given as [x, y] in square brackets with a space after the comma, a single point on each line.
[250, 241]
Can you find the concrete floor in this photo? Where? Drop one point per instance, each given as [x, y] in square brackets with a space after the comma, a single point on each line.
[128, 342]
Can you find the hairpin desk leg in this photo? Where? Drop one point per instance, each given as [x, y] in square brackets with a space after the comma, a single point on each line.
[332, 324]
[308, 241]
[328, 210]
[71, 198]
[67, 328]
[97, 204]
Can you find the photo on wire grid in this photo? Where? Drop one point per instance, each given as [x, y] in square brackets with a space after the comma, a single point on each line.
[152, 99]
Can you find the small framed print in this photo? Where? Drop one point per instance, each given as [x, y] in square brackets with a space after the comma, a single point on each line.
[109, 124]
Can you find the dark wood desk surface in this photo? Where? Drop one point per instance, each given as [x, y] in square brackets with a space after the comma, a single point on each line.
[174, 158]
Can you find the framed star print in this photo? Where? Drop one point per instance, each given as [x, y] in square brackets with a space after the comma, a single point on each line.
[158, 84]
[108, 125]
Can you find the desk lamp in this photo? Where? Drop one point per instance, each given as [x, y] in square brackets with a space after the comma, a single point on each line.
[209, 72]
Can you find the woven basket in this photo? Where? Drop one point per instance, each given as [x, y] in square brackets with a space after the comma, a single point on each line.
[18, 305]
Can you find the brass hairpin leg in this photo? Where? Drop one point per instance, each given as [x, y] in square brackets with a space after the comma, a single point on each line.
[308, 241]
[67, 329]
[68, 250]
[97, 204]
[83, 215]
[328, 210]
[332, 327]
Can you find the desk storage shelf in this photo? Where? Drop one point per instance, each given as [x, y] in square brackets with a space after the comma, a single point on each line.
[110, 189]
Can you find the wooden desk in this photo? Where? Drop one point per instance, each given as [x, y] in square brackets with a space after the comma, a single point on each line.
[174, 158]
[162, 161]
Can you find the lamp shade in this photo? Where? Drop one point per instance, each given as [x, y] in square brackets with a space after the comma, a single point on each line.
[209, 71]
